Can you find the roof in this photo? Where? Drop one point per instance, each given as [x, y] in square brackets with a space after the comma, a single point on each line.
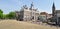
[43, 13]
[50, 14]
[58, 11]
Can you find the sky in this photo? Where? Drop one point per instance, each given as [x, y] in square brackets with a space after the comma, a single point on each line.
[15, 5]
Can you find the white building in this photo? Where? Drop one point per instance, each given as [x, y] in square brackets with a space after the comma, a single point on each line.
[28, 14]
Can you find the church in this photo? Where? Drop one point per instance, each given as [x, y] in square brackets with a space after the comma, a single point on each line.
[55, 19]
[55, 13]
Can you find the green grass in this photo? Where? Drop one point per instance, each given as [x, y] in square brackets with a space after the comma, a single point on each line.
[13, 24]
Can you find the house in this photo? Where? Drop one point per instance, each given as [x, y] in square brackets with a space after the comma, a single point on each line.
[43, 16]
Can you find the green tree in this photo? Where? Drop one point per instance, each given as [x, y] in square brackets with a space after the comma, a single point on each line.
[11, 15]
[1, 14]
[4, 16]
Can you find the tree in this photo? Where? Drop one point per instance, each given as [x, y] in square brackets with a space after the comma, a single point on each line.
[11, 15]
[1, 11]
[4, 16]
[1, 14]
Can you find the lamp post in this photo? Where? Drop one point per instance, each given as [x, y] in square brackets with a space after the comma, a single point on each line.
[46, 17]
[56, 20]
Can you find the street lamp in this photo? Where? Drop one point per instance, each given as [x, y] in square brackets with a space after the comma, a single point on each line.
[56, 20]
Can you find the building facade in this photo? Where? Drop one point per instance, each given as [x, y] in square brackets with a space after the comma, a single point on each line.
[27, 13]
[44, 16]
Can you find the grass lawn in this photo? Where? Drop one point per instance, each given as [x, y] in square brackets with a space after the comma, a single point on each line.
[13, 24]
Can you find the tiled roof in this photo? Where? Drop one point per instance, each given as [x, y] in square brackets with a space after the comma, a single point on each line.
[43, 13]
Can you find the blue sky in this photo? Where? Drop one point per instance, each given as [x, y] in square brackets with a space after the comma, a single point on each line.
[15, 5]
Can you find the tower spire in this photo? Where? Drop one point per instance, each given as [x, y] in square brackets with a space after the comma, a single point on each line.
[53, 5]
[53, 10]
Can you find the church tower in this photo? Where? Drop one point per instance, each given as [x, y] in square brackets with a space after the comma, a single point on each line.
[53, 10]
